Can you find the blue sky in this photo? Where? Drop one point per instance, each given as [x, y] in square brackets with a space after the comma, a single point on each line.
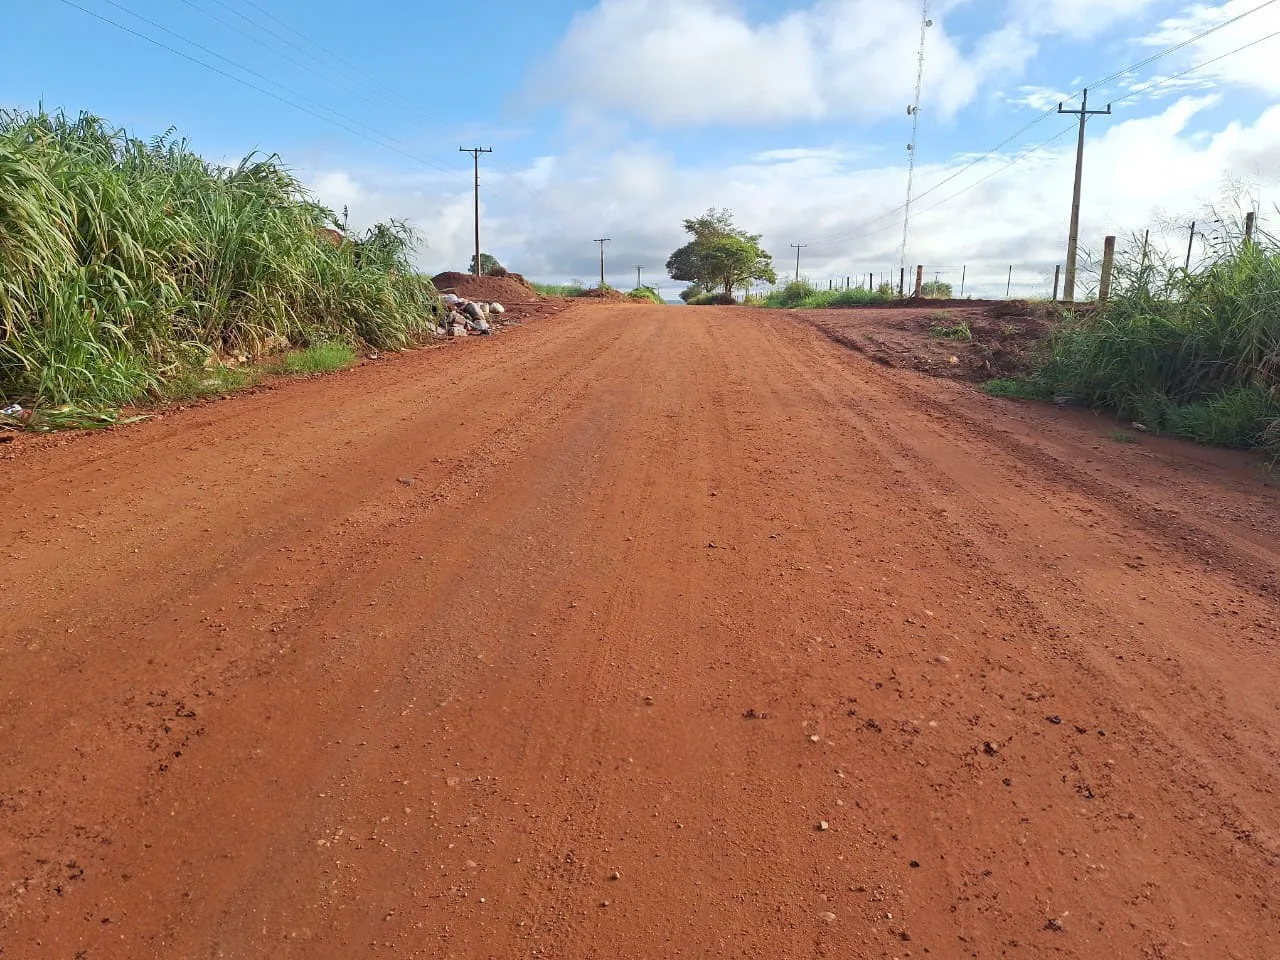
[620, 117]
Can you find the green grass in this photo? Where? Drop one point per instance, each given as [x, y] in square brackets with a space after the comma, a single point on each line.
[193, 382]
[1015, 389]
[800, 295]
[958, 331]
[320, 358]
[559, 289]
[645, 295]
[1195, 355]
[121, 260]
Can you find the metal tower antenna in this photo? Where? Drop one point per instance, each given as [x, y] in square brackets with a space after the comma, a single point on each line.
[914, 112]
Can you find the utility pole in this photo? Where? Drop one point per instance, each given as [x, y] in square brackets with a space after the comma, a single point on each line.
[602, 241]
[475, 153]
[1073, 240]
[798, 247]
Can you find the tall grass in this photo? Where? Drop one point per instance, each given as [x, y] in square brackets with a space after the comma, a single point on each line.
[124, 264]
[559, 289]
[800, 295]
[1195, 354]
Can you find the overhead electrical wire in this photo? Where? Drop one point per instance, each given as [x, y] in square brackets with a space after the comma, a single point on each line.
[343, 122]
[354, 74]
[1018, 134]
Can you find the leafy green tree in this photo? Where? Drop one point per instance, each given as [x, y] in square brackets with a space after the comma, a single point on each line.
[720, 256]
[489, 265]
[936, 290]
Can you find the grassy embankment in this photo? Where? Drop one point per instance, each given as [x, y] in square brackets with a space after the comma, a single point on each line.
[800, 295]
[559, 289]
[1194, 354]
[134, 271]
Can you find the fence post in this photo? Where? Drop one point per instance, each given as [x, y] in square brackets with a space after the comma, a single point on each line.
[1108, 261]
[1190, 246]
[1009, 286]
[1057, 275]
[964, 275]
[919, 279]
[902, 283]
[1250, 221]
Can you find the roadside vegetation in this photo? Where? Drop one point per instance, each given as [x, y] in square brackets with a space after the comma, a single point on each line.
[645, 294]
[801, 295]
[1194, 354]
[559, 289]
[127, 266]
[718, 259]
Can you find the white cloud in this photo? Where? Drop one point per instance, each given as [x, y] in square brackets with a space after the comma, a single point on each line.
[1138, 171]
[1076, 18]
[1254, 67]
[704, 62]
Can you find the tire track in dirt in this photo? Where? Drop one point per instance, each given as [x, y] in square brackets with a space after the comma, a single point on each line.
[428, 697]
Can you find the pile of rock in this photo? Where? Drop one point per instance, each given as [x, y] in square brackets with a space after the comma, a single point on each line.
[469, 317]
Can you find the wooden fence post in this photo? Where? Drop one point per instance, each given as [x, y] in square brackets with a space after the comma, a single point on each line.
[1250, 221]
[902, 283]
[1057, 275]
[919, 280]
[1108, 262]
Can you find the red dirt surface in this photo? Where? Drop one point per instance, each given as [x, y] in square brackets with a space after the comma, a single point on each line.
[1005, 334]
[569, 643]
[504, 290]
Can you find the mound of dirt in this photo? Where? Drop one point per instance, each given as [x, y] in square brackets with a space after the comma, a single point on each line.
[595, 293]
[505, 290]
[962, 340]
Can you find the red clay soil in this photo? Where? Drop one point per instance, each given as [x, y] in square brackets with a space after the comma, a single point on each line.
[658, 633]
[609, 294]
[1005, 335]
[503, 290]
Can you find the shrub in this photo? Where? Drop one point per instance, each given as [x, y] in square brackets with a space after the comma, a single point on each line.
[645, 295]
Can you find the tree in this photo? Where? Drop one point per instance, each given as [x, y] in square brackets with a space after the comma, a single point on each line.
[936, 290]
[720, 256]
[488, 264]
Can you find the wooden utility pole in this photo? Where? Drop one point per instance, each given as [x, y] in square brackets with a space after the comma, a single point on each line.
[475, 153]
[602, 241]
[1108, 263]
[798, 247]
[1073, 240]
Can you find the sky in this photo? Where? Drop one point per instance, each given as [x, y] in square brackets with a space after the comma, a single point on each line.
[622, 118]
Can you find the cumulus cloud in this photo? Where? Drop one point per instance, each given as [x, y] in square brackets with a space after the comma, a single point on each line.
[684, 62]
[1075, 18]
[542, 220]
[1253, 67]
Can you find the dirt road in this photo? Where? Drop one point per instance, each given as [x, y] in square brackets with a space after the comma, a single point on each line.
[644, 633]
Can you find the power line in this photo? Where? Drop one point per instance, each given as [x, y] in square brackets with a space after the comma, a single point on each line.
[255, 39]
[239, 66]
[354, 74]
[1174, 48]
[377, 140]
